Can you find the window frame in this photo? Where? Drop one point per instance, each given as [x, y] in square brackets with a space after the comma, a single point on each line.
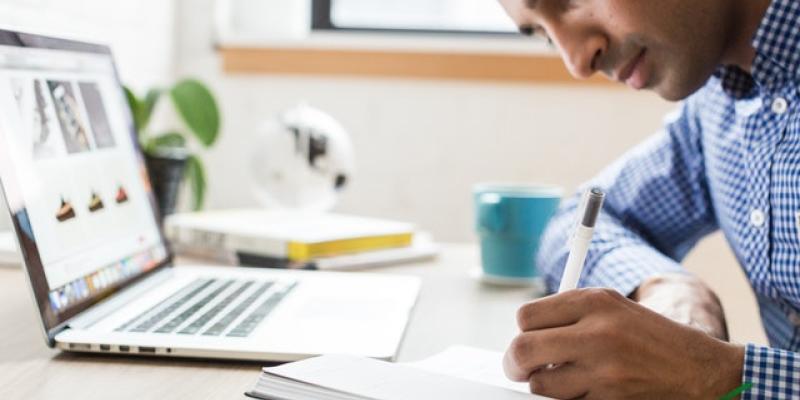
[321, 20]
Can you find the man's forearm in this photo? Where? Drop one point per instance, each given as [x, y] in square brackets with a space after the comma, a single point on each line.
[685, 299]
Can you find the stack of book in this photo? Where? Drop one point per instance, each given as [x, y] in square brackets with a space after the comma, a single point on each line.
[296, 239]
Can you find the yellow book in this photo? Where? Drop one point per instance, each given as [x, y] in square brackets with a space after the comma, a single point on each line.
[299, 251]
[288, 234]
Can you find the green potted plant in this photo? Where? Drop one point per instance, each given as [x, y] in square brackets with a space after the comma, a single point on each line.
[168, 156]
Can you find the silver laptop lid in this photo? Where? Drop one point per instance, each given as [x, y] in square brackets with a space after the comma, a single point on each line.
[73, 175]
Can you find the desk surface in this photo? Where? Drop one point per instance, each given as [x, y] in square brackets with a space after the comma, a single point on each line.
[475, 315]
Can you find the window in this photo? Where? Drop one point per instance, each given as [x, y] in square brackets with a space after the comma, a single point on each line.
[446, 16]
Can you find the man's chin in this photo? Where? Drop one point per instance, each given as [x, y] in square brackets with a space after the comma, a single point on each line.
[670, 95]
[676, 91]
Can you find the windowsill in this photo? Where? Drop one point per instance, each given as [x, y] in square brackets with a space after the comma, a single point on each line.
[414, 42]
[451, 57]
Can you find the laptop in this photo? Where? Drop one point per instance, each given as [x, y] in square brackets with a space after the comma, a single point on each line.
[98, 265]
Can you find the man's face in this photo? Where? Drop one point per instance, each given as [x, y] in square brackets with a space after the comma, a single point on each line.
[669, 46]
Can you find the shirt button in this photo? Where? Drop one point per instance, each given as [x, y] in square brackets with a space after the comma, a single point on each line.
[779, 105]
[757, 218]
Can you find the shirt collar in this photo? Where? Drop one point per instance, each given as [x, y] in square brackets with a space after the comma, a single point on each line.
[777, 45]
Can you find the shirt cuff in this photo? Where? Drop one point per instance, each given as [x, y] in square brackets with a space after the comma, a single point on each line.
[627, 267]
[774, 373]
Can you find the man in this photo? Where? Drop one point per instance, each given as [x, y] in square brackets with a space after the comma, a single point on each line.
[729, 159]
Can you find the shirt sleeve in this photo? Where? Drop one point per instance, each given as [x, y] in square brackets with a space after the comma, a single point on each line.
[774, 373]
[657, 208]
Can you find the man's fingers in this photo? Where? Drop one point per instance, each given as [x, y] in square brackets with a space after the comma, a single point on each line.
[567, 381]
[563, 309]
[530, 351]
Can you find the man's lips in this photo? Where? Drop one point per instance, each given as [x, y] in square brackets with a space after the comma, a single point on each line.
[631, 74]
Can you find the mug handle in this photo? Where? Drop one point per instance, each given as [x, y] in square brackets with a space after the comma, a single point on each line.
[489, 215]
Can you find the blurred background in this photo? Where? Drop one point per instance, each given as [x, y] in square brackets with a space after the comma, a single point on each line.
[430, 114]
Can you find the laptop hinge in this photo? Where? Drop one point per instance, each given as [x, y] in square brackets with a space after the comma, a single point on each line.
[117, 301]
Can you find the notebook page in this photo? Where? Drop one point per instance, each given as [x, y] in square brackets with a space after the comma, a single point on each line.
[386, 381]
[471, 364]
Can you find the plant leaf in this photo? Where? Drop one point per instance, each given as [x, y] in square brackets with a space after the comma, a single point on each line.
[198, 109]
[169, 139]
[148, 105]
[195, 174]
[135, 106]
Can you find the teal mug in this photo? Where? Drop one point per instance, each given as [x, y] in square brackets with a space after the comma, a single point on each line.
[510, 219]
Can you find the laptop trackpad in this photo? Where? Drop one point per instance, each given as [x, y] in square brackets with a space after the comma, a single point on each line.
[351, 309]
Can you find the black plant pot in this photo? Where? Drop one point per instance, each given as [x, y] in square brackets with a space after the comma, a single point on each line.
[166, 169]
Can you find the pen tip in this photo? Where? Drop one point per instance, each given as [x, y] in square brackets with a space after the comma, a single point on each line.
[597, 192]
[594, 203]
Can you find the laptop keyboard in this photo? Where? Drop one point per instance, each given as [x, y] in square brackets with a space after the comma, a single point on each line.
[173, 303]
[244, 328]
[228, 319]
[212, 307]
[199, 323]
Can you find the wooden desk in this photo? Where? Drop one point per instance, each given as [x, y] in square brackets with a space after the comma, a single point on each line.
[452, 309]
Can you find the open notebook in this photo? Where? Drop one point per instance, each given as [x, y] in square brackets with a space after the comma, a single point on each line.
[462, 373]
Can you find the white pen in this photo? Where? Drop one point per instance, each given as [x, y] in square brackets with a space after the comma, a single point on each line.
[581, 238]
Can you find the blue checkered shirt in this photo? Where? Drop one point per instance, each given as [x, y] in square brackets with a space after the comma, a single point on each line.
[729, 159]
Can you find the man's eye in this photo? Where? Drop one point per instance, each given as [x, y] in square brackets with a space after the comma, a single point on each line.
[536, 31]
[541, 33]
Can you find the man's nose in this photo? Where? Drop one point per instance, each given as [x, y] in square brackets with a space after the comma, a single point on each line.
[582, 54]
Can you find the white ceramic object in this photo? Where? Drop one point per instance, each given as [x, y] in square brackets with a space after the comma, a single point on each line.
[302, 159]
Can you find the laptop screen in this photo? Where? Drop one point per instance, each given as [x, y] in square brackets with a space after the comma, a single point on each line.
[72, 173]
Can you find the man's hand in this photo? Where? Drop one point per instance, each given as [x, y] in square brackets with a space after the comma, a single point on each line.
[606, 346]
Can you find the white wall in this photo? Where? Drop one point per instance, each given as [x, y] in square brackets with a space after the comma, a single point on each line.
[5, 222]
[422, 145]
[140, 33]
